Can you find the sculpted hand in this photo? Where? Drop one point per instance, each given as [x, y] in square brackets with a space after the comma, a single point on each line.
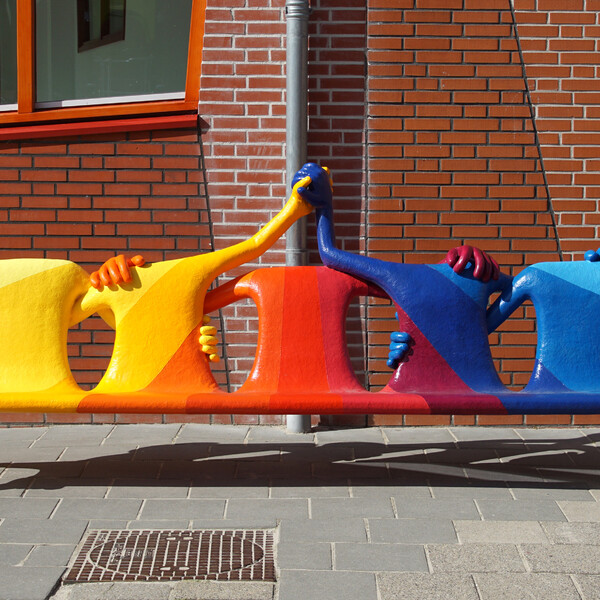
[207, 339]
[115, 271]
[400, 343]
[313, 184]
[486, 267]
[592, 255]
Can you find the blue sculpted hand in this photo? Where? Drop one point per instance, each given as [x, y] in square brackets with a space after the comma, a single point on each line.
[592, 255]
[319, 191]
[399, 346]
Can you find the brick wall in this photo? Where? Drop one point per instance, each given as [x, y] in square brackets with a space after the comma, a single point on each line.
[444, 122]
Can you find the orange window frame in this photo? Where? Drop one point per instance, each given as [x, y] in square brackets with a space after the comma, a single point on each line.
[27, 113]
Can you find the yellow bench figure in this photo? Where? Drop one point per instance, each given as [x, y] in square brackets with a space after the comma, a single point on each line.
[157, 316]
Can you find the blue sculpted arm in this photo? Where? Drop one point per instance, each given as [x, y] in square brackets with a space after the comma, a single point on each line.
[319, 194]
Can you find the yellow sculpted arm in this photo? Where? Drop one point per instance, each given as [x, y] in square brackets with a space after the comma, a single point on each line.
[238, 254]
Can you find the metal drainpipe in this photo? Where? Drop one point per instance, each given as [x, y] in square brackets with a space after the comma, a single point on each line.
[297, 12]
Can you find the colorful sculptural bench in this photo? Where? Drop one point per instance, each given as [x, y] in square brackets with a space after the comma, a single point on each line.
[302, 364]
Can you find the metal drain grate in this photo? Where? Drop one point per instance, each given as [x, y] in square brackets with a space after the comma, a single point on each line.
[169, 555]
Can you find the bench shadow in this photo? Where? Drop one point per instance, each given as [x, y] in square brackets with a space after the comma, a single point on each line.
[572, 463]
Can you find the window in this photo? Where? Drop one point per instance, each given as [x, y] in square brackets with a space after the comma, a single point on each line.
[82, 59]
[8, 54]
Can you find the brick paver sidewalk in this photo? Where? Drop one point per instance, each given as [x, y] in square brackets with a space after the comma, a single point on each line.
[380, 513]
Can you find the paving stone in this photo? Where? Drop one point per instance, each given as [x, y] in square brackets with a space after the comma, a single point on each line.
[114, 591]
[278, 435]
[525, 586]
[42, 531]
[474, 558]
[301, 453]
[566, 558]
[581, 511]
[13, 554]
[589, 585]
[495, 436]
[182, 509]
[203, 470]
[368, 435]
[379, 557]
[455, 508]
[326, 508]
[552, 434]
[333, 585]
[258, 489]
[500, 532]
[109, 468]
[552, 493]
[28, 583]
[573, 533]
[402, 492]
[213, 434]
[107, 524]
[252, 522]
[71, 487]
[461, 456]
[421, 586]
[349, 470]
[11, 435]
[167, 452]
[67, 435]
[93, 508]
[220, 590]
[499, 491]
[83, 452]
[280, 508]
[418, 436]
[50, 555]
[22, 454]
[16, 508]
[411, 531]
[148, 488]
[294, 555]
[341, 529]
[145, 524]
[271, 470]
[310, 488]
[142, 434]
[519, 510]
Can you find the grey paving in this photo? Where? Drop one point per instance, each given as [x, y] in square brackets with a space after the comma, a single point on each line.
[500, 532]
[412, 531]
[581, 511]
[28, 583]
[379, 557]
[519, 510]
[565, 558]
[475, 558]
[376, 514]
[589, 585]
[293, 555]
[518, 586]
[421, 586]
[333, 585]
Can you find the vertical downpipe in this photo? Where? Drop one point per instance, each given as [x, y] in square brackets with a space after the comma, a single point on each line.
[297, 12]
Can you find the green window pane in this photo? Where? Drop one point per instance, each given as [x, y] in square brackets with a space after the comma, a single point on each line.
[88, 49]
[8, 51]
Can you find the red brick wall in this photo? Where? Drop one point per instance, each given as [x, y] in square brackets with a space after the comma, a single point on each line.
[444, 122]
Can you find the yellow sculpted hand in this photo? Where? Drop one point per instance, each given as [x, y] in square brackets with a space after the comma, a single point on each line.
[208, 340]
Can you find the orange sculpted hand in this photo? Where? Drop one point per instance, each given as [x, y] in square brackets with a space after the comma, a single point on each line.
[115, 271]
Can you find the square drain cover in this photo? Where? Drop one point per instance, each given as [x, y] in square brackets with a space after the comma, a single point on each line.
[170, 555]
